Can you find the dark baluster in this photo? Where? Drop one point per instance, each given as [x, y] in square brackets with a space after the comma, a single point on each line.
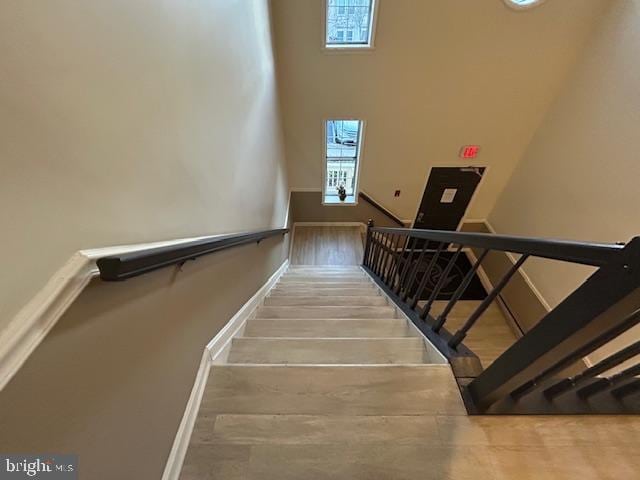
[607, 383]
[626, 390]
[440, 284]
[427, 274]
[606, 364]
[407, 262]
[442, 318]
[399, 250]
[573, 356]
[388, 267]
[376, 252]
[462, 333]
[367, 248]
[383, 254]
[406, 287]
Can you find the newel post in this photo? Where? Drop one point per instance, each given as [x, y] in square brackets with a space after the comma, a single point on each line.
[368, 242]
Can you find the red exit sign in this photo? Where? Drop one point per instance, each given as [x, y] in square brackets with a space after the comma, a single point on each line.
[469, 151]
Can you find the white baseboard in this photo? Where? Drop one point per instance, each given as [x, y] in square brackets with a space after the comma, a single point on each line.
[216, 352]
[328, 224]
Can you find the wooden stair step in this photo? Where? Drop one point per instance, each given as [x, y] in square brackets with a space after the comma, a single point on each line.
[326, 273]
[324, 268]
[327, 350]
[326, 312]
[318, 291]
[333, 285]
[324, 279]
[332, 390]
[231, 429]
[300, 300]
[324, 328]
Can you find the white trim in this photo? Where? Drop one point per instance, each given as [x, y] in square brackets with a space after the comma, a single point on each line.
[215, 352]
[35, 320]
[328, 224]
[517, 7]
[305, 189]
[286, 215]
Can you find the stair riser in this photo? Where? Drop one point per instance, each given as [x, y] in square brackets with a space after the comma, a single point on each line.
[326, 301]
[320, 279]
[322, 292]
[323, 285]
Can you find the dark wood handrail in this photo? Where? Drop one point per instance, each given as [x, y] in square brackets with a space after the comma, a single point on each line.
[128, 265]
[381, 209]
[586, 253]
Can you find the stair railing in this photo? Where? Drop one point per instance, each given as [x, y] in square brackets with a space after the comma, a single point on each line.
[544, 370]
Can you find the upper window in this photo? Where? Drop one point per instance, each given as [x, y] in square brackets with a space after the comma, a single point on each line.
[349, 23]
[522, 4]
[342, 155]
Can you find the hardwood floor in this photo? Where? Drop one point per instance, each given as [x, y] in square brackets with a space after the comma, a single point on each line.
[316, 390]
[327, 246]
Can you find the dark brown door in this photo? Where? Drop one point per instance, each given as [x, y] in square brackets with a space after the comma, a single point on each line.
[447, 196]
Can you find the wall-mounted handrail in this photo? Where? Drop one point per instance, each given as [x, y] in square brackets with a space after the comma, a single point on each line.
[530, 376]
[381, 209]
[128, 265]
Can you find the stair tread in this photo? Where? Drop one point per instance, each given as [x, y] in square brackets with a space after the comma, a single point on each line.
[342, 328]
[327, 350]
[335, 390]
[312, 429]
[326, 312]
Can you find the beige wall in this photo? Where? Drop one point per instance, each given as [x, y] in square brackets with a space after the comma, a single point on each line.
[308, 207]
[579, 177]
[444, 73]
[111, 380]
[132, 121]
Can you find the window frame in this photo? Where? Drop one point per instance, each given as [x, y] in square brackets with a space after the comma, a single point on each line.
[350, 48]
[359, 156]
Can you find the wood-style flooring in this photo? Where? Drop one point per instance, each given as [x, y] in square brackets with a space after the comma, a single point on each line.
[330, 245]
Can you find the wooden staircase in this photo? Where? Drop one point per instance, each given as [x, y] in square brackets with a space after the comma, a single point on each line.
[326, 361]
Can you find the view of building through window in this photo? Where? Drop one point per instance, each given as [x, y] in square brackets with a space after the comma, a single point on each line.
[349, 22]
[342, 150]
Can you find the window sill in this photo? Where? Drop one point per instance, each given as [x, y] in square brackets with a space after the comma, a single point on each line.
[347, 49]
[332, 200]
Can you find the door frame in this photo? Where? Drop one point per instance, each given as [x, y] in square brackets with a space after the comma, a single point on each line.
[473, 197]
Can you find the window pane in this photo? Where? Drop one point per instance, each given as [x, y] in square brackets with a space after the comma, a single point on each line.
[343, 138]
[348, 22]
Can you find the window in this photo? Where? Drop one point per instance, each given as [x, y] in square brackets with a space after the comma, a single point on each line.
[522, 4]
[342, 155]
[349, 23]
